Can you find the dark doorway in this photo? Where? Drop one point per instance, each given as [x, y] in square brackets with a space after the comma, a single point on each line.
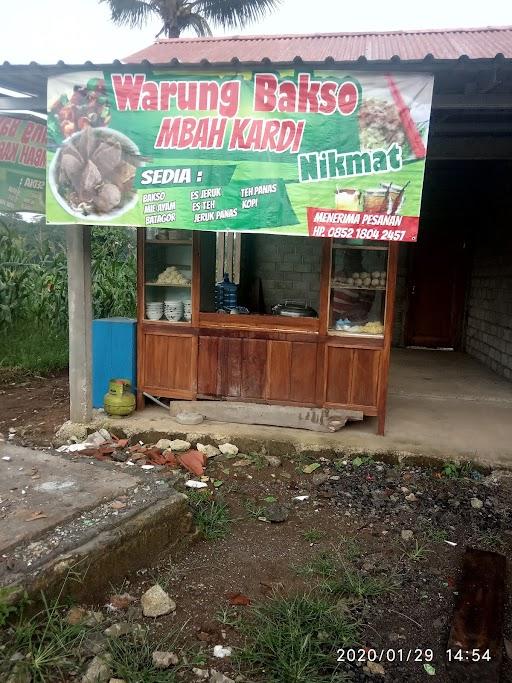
[438, 265]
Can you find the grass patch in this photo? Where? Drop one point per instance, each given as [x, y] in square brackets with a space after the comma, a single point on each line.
[454, 470]
[435, 535]
[294, 640]
[417, 552]
[131, 659]
[313, 535]
[354, 584]
[323, 565]
[27, 349]
[47, 643]
[254, 509]
[211, 515]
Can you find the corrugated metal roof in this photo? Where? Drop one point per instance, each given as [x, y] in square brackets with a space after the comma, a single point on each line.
[475, 43]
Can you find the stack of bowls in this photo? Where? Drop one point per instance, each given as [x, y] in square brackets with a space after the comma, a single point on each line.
[187, 310]
[173, 310]
[154, 310]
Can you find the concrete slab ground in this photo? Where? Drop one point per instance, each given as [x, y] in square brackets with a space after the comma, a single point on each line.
[34, 482]
[60, 514]
[441, 404]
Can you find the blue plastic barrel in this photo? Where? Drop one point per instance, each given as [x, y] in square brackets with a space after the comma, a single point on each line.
[114, 354]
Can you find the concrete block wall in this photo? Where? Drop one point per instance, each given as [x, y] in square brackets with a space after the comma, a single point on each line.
[400, 298]
[489, 310]
[289, 268]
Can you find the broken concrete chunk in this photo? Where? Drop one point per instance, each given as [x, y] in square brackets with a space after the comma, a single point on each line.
[164, 444]
[193, 484]
[219, 677]
[208, 450]
[122, 628]
[375, 668]
[79, 615]
[156, 602]
[273, 460]
[189, 418]
[178, 445]
[228, 449]
[163, 660]
[277, 513]
[99, 670]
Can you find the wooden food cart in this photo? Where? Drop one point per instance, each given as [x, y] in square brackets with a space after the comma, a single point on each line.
[336, 356]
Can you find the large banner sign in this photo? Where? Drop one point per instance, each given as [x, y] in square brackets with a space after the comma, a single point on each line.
[294, 152]
[22, 164]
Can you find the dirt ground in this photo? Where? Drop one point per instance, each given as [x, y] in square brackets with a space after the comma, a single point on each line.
[35, 407]
[356, 515]
[349, 527]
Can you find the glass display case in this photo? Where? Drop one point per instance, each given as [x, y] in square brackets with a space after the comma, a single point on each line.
[357, 298]
[167, 275]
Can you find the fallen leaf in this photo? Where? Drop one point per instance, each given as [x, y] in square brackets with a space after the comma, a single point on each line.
[217, 483]
[429, 669]
[35, 516]
[239, 599]
[308, 469]
[357, 462]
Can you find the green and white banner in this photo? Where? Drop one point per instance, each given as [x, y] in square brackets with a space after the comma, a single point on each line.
[321, 153]
[22, 164]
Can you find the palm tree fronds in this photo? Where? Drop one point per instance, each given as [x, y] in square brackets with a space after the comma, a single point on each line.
[195, 22]
[234, 13]
[132, 13]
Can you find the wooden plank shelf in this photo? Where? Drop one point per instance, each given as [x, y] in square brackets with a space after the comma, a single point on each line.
[161, 284]
[360, 247]
[337, 288]
[167, 243]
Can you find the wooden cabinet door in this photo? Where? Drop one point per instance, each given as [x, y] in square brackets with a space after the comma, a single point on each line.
[232, 368]
[352, 377]
[292, 372]
[170, 365]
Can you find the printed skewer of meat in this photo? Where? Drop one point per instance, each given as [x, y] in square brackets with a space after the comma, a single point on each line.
[411, 131]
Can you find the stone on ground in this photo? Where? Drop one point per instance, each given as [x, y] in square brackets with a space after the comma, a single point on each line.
[219, 677]
[178, 445]
[209, 450]
[99, 670]
[277, 513]
[163, 660]
[273, 460]
[407, 535]
[228, 449]
[156, 602]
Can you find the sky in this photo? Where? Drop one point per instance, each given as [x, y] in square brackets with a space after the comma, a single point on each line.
[47, 31]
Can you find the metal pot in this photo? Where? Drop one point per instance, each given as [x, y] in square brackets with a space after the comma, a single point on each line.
[293, 309]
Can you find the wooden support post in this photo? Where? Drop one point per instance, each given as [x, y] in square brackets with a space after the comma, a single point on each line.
[80, 322]
[476, 636]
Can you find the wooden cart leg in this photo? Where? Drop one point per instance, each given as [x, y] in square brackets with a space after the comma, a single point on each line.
[141, 402]
[381, 425]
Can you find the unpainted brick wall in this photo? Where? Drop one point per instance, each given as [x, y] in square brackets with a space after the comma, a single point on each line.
[489, 311]
[289, 268]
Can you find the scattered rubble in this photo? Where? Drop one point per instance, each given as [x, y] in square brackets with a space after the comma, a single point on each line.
[99, 670]
[208, 450]
[228, 449]
[163, 660]
[156, 602]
